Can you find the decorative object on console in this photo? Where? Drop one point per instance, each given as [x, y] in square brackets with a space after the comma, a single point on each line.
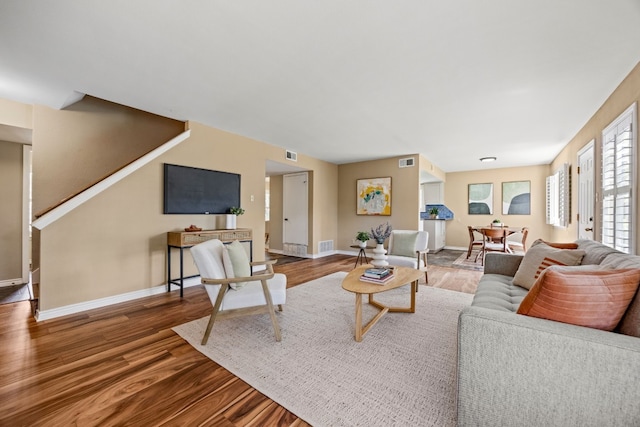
[374, 196]
[193, 228]
[232, 217]
[380, 234]
[363, 237]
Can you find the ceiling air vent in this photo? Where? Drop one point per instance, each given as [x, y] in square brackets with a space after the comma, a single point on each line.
[291, 155]
[406, 163]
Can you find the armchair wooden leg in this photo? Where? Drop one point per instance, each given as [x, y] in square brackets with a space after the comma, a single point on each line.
[214, 313]
[279, 307]
[274, 320]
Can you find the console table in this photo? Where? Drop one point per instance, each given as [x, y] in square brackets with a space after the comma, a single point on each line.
[182, 240]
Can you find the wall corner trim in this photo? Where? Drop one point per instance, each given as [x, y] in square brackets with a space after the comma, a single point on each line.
[96, 189]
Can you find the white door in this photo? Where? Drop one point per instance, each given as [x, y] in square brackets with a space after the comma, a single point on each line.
[296, 209]
[586, 192]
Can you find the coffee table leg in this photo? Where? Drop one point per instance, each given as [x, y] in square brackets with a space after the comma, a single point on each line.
[358, 317]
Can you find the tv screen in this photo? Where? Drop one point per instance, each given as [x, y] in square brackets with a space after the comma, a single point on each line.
[190, 190]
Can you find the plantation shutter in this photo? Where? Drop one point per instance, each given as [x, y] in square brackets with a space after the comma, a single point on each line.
[617, 182]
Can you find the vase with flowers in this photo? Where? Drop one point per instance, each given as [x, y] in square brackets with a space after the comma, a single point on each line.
[380, 234]
[233, 216]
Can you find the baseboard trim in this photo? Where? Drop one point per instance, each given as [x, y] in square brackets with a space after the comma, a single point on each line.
[107, 301]
[11, 282]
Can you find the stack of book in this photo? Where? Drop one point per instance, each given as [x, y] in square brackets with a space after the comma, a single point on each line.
[377, 275]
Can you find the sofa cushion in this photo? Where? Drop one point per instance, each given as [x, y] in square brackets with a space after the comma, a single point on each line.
[591, 296]
[496, 291]
[595, 252]
[630, 323]
[539, 257]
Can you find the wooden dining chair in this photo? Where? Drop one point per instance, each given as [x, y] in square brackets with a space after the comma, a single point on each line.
[518, 240]
[474, 240]
[494, 239]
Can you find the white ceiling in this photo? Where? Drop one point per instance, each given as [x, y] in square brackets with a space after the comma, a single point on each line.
[342, 81]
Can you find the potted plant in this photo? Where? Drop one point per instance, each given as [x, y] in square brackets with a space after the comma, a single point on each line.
[433, 213]
[363, 237]
[497, 221]
[233, 216]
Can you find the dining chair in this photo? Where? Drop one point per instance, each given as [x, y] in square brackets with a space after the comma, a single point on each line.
[474, 240]
[232, 289]
[518, 240]
[494, 240]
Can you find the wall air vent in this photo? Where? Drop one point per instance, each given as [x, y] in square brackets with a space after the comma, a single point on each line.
[407, 163]
[291, 155]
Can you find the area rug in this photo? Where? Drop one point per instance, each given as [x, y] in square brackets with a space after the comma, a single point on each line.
[469, 264]
[402, 373]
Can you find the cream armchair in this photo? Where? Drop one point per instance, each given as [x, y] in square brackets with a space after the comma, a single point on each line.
[252, 294]
[408, 248]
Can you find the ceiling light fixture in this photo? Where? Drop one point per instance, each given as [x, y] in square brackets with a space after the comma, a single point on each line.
[488, 159]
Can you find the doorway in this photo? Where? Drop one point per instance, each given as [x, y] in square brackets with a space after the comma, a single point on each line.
[296, 214]
[586, 192]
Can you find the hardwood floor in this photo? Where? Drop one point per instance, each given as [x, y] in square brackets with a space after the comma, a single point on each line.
[123, 365]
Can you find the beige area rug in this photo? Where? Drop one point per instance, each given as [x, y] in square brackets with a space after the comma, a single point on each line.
[402, 373]
[469, 264]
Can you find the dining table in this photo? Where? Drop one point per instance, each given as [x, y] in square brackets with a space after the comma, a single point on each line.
[509, 231]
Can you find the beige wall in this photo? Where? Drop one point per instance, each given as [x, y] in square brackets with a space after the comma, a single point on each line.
[116, 242]
[76, 147]
[16, 114]
[10, 210]
[405, 198]
[625, 94]
[456, 199]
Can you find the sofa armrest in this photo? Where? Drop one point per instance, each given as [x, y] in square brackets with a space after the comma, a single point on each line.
[520, 370]
[502, 263]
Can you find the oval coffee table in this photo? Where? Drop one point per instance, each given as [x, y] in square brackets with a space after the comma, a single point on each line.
[352, 283]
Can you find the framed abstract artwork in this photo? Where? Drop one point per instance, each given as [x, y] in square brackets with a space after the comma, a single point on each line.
[481, 199]
[373, 196]
[516, 198]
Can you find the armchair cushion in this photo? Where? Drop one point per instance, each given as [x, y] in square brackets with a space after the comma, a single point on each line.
[236, 263]
[404, 243]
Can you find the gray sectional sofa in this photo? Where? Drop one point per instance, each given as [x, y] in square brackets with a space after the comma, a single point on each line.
[516, 370]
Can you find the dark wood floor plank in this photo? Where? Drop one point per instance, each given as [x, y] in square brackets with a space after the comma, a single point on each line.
[123, 365]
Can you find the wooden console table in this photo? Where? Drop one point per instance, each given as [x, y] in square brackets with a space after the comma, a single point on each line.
[182, 240]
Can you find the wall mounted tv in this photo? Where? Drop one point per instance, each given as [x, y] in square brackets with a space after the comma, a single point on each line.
[190, 190]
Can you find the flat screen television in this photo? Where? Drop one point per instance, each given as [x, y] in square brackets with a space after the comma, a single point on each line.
[189, 190]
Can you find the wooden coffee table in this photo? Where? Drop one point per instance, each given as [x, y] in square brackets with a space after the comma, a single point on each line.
[352, 283]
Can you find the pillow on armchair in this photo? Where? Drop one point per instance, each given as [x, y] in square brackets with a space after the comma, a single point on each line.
[404, 243]
[236, 263]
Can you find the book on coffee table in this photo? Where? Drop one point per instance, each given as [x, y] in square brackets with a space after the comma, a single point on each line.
[377, 273]
[380, 281]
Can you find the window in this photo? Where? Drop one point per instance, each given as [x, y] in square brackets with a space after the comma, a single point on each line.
[618, 166]
[559, 197]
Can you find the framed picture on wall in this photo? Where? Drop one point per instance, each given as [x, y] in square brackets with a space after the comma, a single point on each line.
[373, 196]
[516, 198]
[481, 199]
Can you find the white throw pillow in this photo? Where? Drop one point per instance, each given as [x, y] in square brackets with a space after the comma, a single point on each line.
[541, 256]
[236, 263]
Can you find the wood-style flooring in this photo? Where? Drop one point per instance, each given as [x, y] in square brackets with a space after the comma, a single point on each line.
[123, 365]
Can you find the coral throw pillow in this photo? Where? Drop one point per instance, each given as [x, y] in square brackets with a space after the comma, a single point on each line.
[590, 297]
[540, 256]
